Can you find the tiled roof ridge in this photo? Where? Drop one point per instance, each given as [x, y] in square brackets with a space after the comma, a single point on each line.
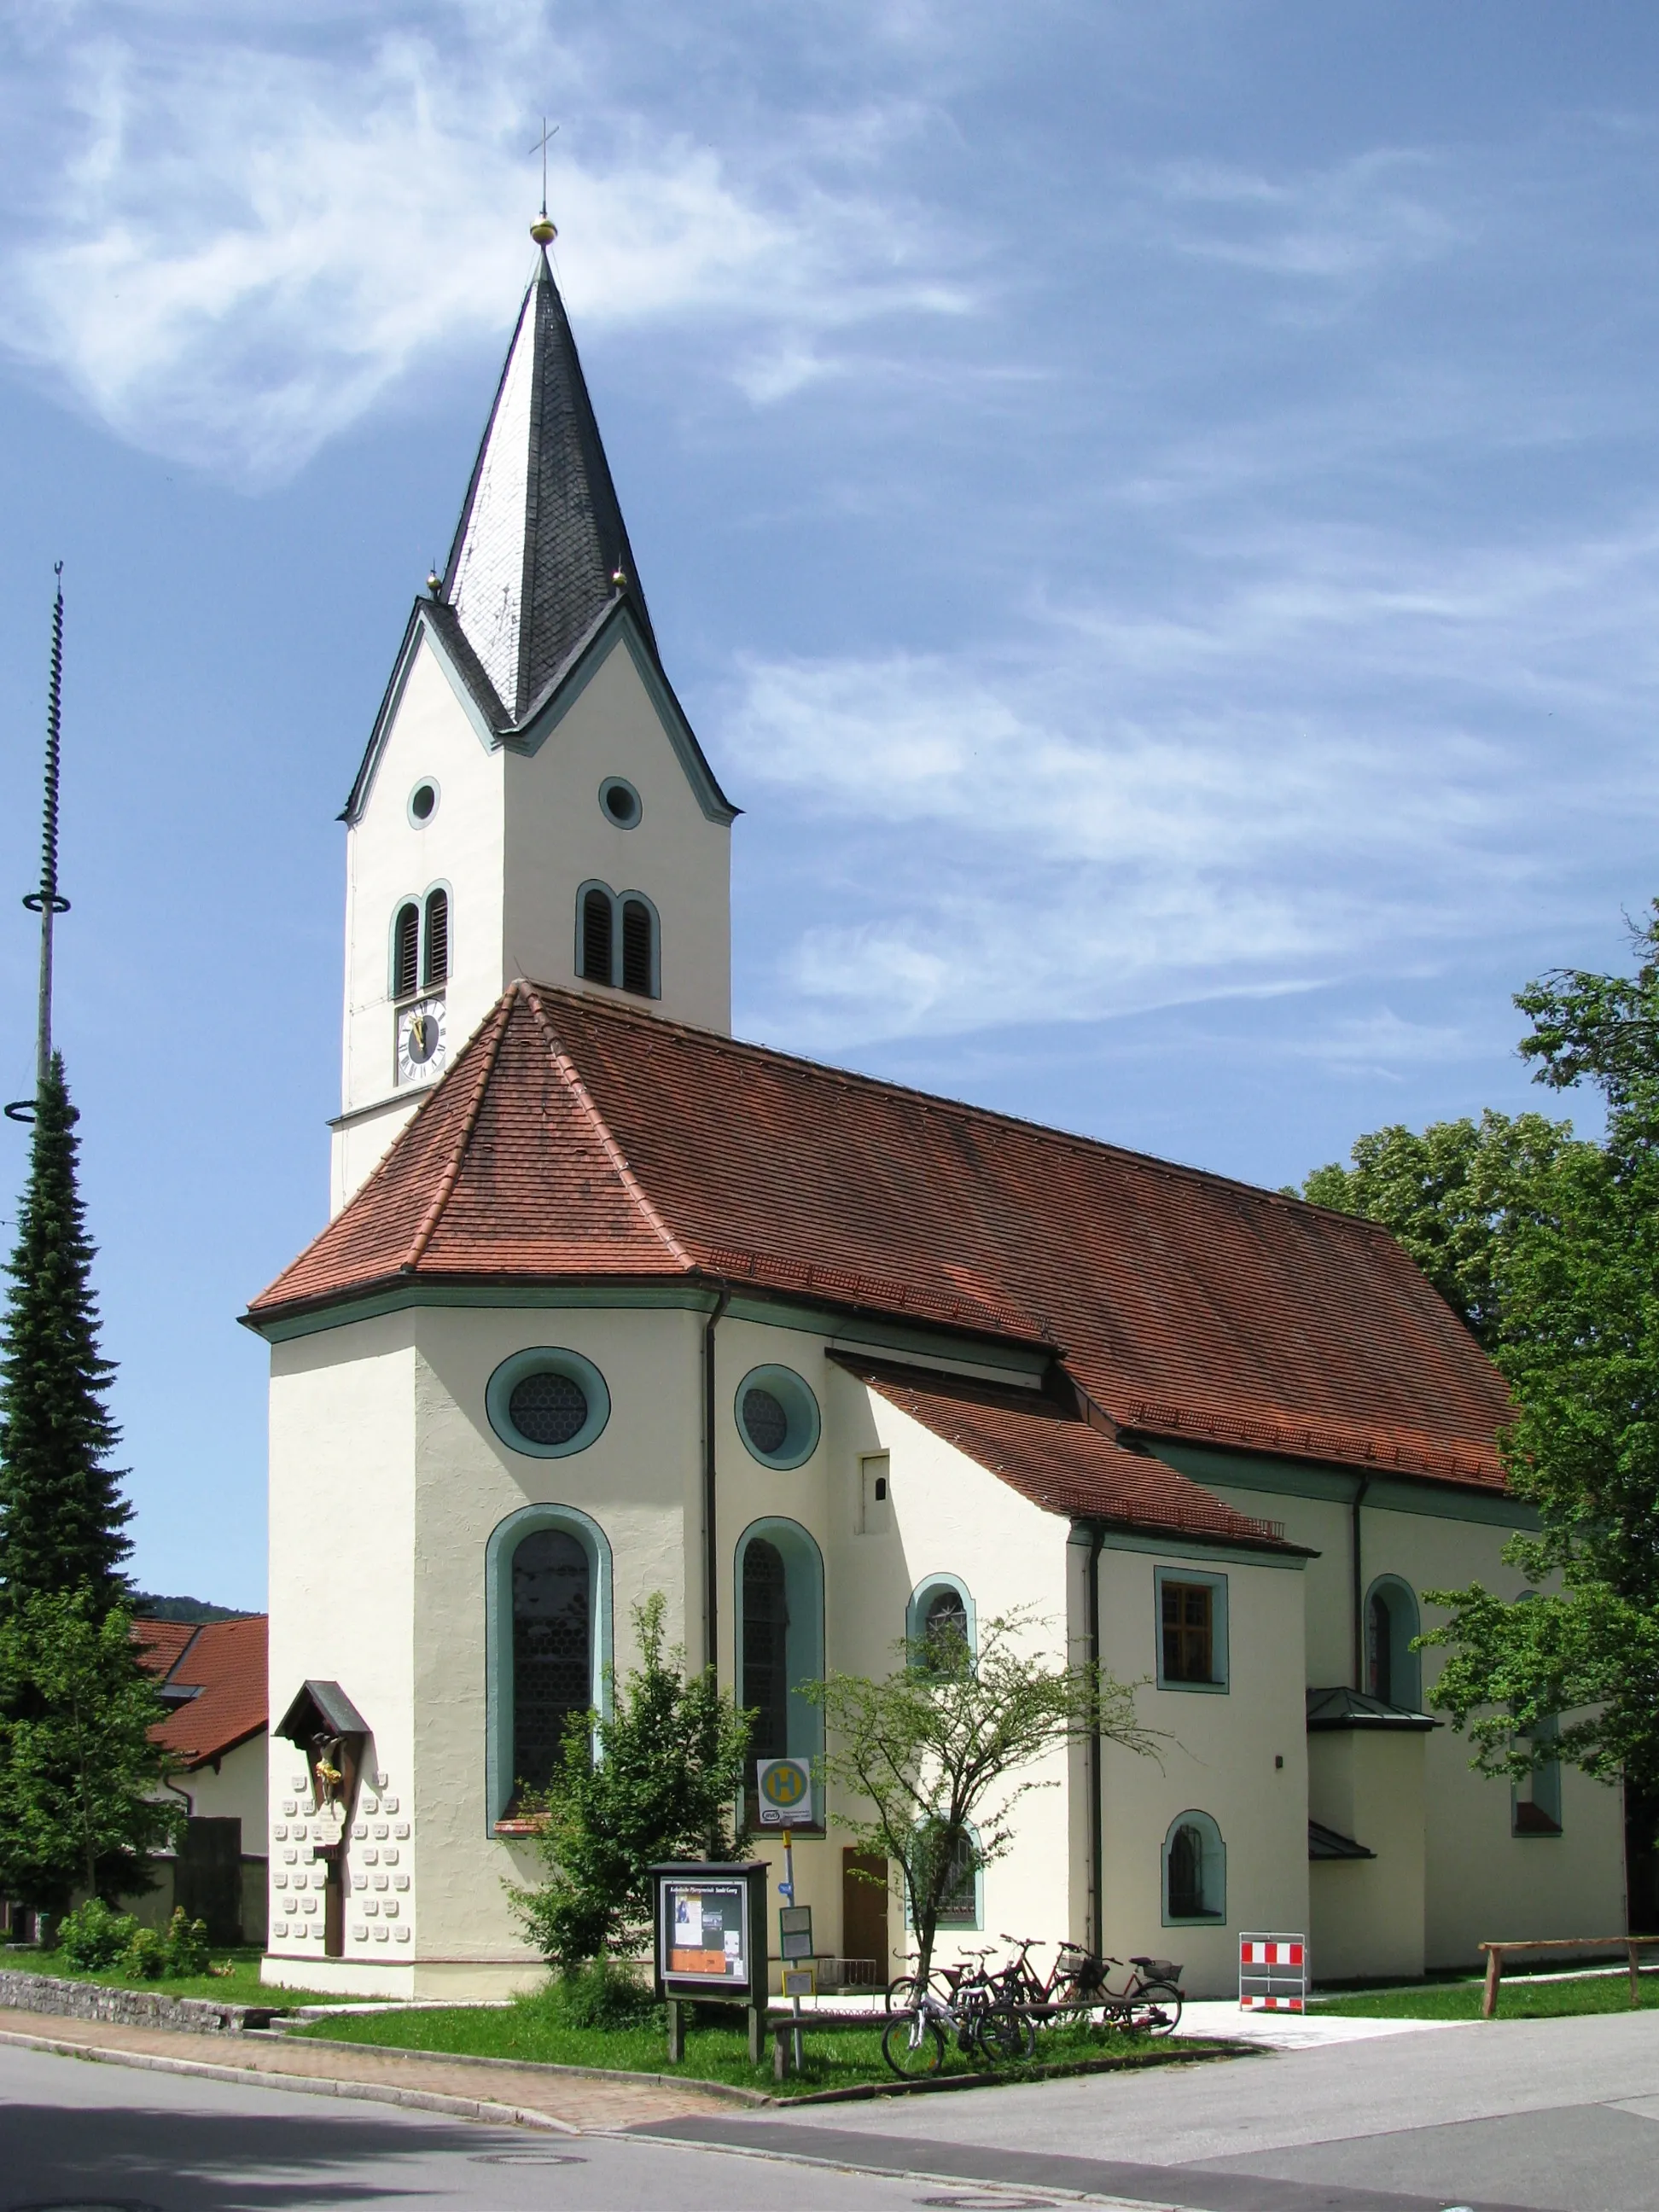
[490, 1048]
[571, 1078]
[937, 1102]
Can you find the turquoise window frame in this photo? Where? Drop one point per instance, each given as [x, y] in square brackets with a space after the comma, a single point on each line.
[1545, 1783]
[946, 1920]
[503, 1542]
[1220, 1651]
[800, 1405]
[1405, 1665]
[916, 1613]
[803, 1588]
[593, 884]
[650, 906]
[547, 1359]
[620, 783]
[1213, 1870]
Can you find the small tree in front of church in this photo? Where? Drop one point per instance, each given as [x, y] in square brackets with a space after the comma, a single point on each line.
[656, 1778]
[933, 1757]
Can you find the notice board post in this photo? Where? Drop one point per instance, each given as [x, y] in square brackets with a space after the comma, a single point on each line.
[710, 1942]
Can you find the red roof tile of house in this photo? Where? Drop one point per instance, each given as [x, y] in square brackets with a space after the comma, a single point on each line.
[224, 1663]
[1038, 1447]
[573, 1138]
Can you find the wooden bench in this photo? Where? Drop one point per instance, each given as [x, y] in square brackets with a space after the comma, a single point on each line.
[1633, 1946]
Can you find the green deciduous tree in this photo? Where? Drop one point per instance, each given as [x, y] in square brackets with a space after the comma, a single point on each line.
[77, 1765]
[62, 1516]
[1455, 1197]
[932, 1757]
[1561, 1278]
[655, 1778]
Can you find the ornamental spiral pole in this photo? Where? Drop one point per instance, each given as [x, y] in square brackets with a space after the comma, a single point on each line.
[46, 901]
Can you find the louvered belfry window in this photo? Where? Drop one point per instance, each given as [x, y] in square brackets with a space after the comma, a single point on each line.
[596, 936]
[636, 961]
[437, 938]
[406, 952]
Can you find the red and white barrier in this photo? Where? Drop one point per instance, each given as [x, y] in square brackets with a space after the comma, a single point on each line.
[1272, 1973]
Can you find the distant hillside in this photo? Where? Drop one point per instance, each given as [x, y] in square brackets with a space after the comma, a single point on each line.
[150, 1607]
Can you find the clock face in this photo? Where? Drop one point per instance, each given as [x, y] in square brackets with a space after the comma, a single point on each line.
[421, 1041]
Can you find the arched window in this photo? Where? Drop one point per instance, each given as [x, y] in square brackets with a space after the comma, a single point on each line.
[779, 1577]
[1194, 1870]
[547, 1599]
[406, 950]
[595, 933]
[766, 1648]
[639, 947]
[963, 1904]
[434, 965]
[940, 1618]
[1394, 1671]
[552, 1650]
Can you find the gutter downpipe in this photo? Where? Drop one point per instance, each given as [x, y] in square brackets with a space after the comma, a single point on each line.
[710, 1569]
[1097, 1841]
[1363, 1485]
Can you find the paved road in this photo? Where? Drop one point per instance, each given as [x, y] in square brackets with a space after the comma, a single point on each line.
[1553, 2116]
[77, 2135]
[1556, 2116]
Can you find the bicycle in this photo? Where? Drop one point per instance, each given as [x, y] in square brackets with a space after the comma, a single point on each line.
[1150, 2005]
[913, 2043]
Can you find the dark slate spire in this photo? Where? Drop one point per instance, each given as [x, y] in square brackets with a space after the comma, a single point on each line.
[541, 552]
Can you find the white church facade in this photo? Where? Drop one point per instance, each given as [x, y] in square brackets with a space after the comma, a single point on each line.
[612, 1303]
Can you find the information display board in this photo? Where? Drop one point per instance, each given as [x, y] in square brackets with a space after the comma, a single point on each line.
[795, 1932]
[711, 1930]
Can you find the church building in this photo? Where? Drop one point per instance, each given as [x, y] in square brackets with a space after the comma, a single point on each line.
[612, 1303]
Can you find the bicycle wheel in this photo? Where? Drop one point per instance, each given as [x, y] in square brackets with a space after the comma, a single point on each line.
[1157, 2010]
[903, 1993]
[1004, 2034]
[913, 2046]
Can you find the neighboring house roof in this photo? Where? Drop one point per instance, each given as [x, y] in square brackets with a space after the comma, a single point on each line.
[575, 1139]
[1044, 1449]
[213, 1675]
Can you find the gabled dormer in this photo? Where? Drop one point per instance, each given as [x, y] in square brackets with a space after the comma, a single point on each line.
[532, 800]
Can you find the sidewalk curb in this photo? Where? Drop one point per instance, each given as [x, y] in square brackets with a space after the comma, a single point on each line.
[304, 2085]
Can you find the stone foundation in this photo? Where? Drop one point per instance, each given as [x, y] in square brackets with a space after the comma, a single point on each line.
[130, 2008]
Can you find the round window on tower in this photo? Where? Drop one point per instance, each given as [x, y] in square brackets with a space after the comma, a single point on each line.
[620, 802]
[547, 1402]
[423, 802]
[777, 1416]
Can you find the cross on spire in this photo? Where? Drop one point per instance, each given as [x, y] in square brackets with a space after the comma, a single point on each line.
[544, 230]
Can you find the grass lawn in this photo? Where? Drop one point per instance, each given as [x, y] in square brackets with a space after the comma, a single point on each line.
[1554, 1997]
[240, 1985]
[717, 2051]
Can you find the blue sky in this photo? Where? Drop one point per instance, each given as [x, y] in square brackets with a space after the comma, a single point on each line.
[1153, 510]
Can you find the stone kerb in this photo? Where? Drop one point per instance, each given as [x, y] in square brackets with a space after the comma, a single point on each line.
[131, 2008]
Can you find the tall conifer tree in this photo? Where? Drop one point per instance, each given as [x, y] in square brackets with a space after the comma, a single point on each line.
[62, 1517]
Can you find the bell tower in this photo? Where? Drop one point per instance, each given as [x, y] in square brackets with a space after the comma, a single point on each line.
[532, 800]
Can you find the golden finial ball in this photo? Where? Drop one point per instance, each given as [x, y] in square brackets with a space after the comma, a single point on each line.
[544, 230]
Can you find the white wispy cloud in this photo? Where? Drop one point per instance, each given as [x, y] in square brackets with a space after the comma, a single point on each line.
[1342, 758]
[1382, 209]
[229, 242]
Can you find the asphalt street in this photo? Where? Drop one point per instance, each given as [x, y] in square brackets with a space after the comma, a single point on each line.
[1555, 2116]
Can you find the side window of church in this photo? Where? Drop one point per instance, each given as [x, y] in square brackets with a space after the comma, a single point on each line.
[638, 949]
[1192, 1631]
[780, 1592]
[1194, 1869]
[596, 934]
[406, 951]
[436, 965]
[552, 1650]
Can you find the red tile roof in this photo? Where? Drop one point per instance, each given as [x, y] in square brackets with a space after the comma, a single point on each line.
[225, 1662]
[577, 1139]
[1038, 1447]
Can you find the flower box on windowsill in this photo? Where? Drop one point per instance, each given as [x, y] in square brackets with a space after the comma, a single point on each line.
[521, 1824]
